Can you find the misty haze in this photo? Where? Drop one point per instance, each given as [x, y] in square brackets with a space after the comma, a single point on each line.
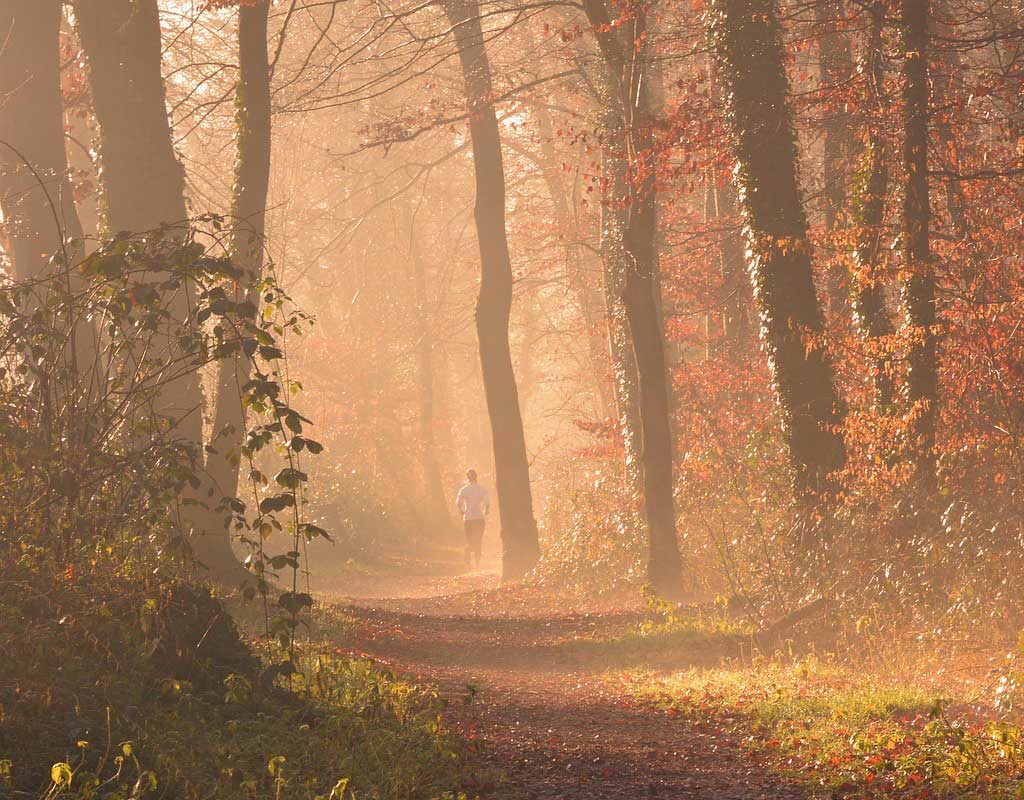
[495, 400]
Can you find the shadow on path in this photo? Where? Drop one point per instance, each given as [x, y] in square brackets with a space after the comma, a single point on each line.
[546, 707]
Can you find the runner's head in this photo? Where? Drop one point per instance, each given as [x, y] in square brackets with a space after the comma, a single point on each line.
[471, 475]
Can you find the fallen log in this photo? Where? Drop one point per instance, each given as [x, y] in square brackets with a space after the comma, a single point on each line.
[766, 639]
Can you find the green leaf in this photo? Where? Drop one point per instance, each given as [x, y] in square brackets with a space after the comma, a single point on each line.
[290, 478]
[294, 602]
[311, 531]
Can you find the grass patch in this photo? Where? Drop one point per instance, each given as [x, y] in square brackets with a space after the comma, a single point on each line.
[845, 733]
[698, 639]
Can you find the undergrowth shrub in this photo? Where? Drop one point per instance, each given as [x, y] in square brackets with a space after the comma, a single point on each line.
[123, 675]
[591, 532]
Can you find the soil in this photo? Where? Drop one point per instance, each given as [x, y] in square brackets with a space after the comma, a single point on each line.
[535, 682]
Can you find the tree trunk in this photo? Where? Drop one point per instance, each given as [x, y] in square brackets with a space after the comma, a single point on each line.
[735, 282]
[35, 193]
[868, 209]
[143, 183]
[620, 346]
[512, 471]
[629, 112]
[918, 281]
[751, 64]
[248, 216]
[737, 324]
[835, 69]
[664, 566]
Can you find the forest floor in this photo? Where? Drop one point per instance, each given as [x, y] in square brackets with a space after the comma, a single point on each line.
[540, 689]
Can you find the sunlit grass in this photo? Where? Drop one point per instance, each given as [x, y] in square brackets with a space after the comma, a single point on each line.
[844, 732]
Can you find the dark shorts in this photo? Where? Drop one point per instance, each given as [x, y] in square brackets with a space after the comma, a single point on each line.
[474, 531]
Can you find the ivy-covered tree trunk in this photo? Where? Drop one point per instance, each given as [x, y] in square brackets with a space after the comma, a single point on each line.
[520, 547]
[748, 46]
[835, 69]
[918, 278]
[35, 193]
[868, 209]
[737, 302]
[615, 263]
[248, 220]
[631, 204]
[735, 283]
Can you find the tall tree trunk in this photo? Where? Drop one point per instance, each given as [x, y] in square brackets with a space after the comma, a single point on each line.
[35, 193]
[737, 324]
[248, 216]
[868, 210]
[614, 261]
[512, 471]
[751, 64]
[630, 110]
[918, 282]
[735, 283]
[143, 183]
[835, 68]
[83, 171]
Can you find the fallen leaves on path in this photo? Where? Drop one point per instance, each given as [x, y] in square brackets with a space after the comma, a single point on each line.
[545, 720]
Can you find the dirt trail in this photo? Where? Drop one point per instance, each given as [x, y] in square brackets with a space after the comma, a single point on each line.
[546, 711]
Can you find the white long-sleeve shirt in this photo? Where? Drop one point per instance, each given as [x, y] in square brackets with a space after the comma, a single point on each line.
[473, 501]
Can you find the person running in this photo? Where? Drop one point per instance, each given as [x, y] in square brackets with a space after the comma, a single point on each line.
[474, 503]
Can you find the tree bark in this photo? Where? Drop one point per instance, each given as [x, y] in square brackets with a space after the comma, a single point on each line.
[248, 217]
[835, 67]
[751, 64]
[614, 261]
[512, 472]
[735, 283]
[35, 192]
[630, 129]
[868, 209]
[917, 287]
[737, 324]
[143, 183]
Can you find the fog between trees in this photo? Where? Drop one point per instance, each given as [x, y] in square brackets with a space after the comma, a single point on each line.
[719, 298]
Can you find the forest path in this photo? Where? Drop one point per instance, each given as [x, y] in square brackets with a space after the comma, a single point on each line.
[546, 709]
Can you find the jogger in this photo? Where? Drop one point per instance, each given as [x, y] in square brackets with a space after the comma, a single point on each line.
[474, 503]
